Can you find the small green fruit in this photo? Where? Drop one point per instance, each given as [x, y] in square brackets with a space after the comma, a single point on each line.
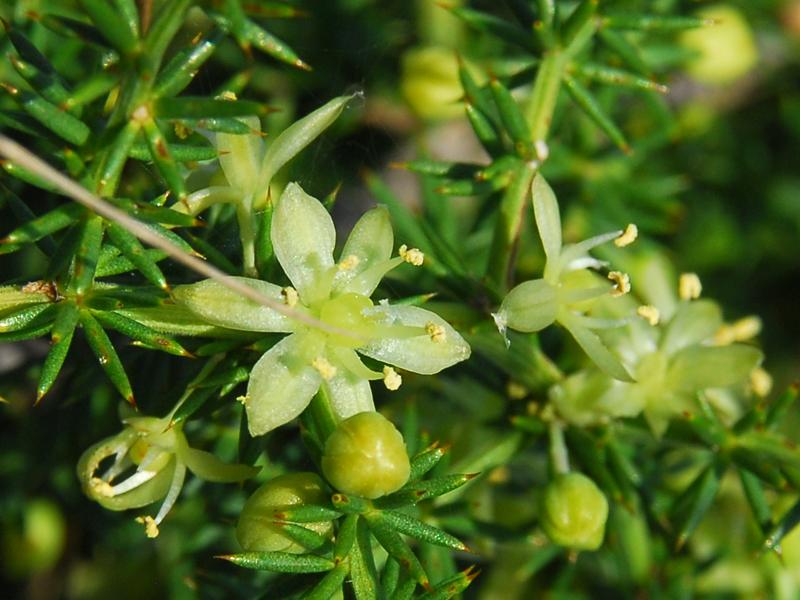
[257, 529]
[366, 457]
[574, 512]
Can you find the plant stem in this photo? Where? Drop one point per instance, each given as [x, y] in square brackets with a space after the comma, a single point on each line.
[539, 113]
[559, 456]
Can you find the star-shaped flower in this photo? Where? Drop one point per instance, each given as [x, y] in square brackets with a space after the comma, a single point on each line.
[150, 458]
[286, 378]
[672, 361]
[567, 288]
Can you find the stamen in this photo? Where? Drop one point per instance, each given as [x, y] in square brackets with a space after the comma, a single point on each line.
[628, 236]
[391, 378]
[243, 400]
[689, 286]
[150, 526]
[227, 95]
[649, 313]
[348, 263]
[746, 328]
[324, 367]
[437, 332]
[622, 283]
[724, 335]
[290, 296]
[101, 488]
[412, 256]
[132, 482]
[761, 382]
[516, 391]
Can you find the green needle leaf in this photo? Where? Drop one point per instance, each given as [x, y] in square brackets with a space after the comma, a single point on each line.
[394, 544]
[202, 108]
[588, 103]
[330, 584]
[133, 250]
[61, 337]
[61, 123]
[345, 537]
[116, 31]
[280, 562]
[162, 157]
[88, 252]
[48, 223]
[426, 460]
[653, 22]
[690, 508]
[182, 68]
[789, 521]
[422, 531]
[106, 354]
[140, 332]
[363, 574]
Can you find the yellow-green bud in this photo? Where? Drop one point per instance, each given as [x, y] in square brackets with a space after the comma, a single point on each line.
[574, 512]
[366, 456]
[258, 529]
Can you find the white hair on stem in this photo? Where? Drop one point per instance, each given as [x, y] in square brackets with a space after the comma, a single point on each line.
[26, 159]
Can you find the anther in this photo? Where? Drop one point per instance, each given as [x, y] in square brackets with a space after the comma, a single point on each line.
[649, 313]
[437, 332]
[622, 283]
[689, 286]
[628, 236]
[325, 368]
[150, 526]
[412, 256]
[746, 328]
[101, 487]
[391, 378]
[348, 263]
[761, 382]
[290, 296]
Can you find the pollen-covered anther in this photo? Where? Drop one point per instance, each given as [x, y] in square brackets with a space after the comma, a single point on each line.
[761, 382]
[348, 263]
[324, 368]
[290, 296]
[622, 283]
[628, 236]
[542, 150]
[649, 313]
[689, 286]
[101, 487]
[412, 256]
[437, 332]
[746, 328]
[243, 399]
[150, 526]
[391, 379]
[227, 95]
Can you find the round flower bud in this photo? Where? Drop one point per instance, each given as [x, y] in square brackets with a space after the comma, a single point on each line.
[366, 456]
[574, 512]
[259, 531]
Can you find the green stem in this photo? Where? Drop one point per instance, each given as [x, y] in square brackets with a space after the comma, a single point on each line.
[321, 416]
[559, 456]
[542, 101]
[247, 233]
[539, 113]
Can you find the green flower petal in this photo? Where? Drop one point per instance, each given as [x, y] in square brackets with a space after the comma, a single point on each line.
[699, 367]
[303, 238]
[281, 385]
[594, 347]
[296, 137]
[531, 306]
[198, 201]
[369, 244]
[420, 353]
[694, 322]
[240, 156]
[349, 395]
[548, 220]
[222, 306]
[207, 466]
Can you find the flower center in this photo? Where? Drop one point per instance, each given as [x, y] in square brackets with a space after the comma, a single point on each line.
[347, 312]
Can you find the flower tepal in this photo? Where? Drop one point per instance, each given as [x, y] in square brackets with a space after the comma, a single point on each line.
[566, 289]
[337, 296]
